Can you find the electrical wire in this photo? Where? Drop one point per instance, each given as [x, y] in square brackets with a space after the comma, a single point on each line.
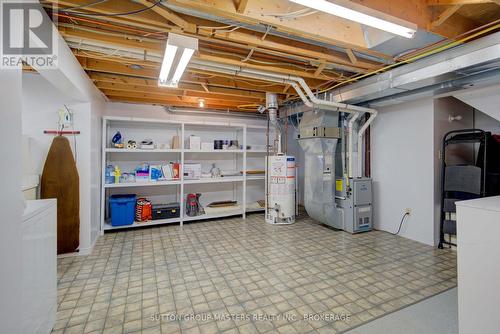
[249, 55]
[406, 61]
[76, 26]
[101, 23]
[257, 85]
[401, 223]
[230, 30]
[249, 107]
[292, 15]
[272, 63]
[268, 29]
[441, 42]
[112, 14]
[216, 27]
[425, 54]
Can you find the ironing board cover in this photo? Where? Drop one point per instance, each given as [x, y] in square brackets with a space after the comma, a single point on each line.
[60, 180]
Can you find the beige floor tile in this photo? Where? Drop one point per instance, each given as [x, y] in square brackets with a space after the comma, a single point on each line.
[237, 267]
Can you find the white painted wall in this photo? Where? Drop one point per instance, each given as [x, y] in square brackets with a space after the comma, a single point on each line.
[41, 101]
[71, 81]
[11, 201]
[486, 99]
[486, 123]
[406, 165]
[403, 169]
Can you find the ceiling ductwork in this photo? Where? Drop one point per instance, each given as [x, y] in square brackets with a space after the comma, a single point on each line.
[475, 64]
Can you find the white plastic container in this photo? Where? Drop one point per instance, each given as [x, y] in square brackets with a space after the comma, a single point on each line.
[192, 171]
[194, 143]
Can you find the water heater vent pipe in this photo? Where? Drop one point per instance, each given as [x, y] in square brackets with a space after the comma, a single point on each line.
[272, 110]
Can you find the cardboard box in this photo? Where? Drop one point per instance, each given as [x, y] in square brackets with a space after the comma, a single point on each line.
[192, 171]
[194, 143]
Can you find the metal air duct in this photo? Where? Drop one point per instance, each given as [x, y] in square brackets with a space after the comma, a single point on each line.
[453, 69]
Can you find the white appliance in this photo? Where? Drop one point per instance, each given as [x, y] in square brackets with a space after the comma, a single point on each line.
[280, 198]
[39, 266]
[478, 272]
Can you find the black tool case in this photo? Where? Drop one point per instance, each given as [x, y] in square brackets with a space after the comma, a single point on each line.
[166, 211]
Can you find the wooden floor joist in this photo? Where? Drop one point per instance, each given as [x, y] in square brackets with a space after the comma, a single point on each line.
[120, 43]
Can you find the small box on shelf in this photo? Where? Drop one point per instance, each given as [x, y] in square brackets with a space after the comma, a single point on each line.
[166, 211]
[176, 143]
[194, 143]
[192, 171]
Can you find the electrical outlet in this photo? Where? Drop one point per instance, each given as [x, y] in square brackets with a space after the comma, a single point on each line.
[408, 211]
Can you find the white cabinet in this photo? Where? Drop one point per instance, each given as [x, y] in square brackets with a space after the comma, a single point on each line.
[247, 190]
[478, 254]
[39, 266]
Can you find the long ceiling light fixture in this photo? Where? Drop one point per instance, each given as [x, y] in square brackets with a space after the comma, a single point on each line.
[178, 52]
[361, 16]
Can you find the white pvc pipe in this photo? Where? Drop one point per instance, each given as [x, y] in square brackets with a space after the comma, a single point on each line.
[343, 106]
[310, 100]
[361, 132]
[340, 106]
[350, 142]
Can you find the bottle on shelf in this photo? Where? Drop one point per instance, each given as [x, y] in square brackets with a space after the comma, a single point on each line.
[117, 173]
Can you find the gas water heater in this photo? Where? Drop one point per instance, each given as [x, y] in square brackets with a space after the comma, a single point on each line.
[280, 199]
[280, 172]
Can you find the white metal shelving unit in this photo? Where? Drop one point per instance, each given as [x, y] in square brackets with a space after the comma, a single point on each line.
[242, 188]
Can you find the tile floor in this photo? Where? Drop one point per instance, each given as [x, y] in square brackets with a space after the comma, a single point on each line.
[237, 276]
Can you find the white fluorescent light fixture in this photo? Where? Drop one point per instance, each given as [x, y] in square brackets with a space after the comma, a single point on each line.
[359, 16]
[178, 52]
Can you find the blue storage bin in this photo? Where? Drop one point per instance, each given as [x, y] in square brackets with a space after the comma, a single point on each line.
[122, 209]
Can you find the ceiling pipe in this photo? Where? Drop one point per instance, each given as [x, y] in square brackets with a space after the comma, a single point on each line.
[350, 127]
[298, 83]
[304, 92]
[221, 113]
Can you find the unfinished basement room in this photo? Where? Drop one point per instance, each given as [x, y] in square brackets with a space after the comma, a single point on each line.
[250, 166]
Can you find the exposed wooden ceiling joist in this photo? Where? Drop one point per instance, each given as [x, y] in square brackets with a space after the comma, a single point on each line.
[156, 48]
[315, 26]
[244, 40]
[420, 13]
[457, 2]
[241, 6]
[176, 92]
[131, 77]
[171, 16]
[193, 87]
[118, 96]
[444, 15]
[174, 98]
[110, 67]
